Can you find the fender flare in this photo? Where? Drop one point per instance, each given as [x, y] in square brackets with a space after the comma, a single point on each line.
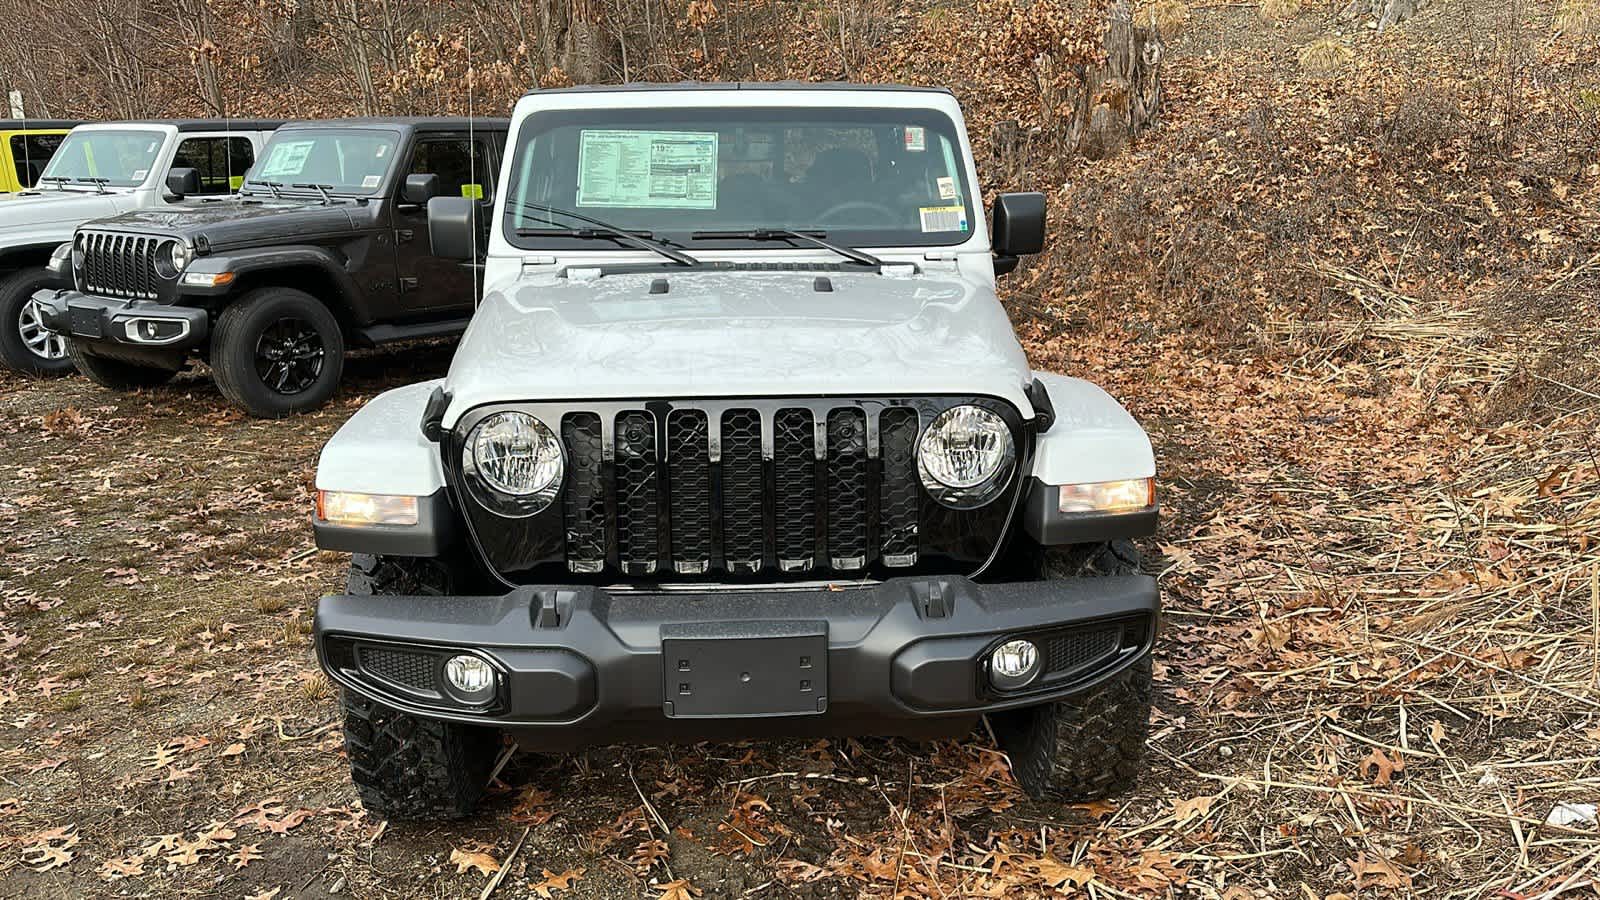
[244, 263]
[1093, 438]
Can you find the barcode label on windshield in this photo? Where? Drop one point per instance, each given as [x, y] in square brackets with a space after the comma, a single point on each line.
[944, 218]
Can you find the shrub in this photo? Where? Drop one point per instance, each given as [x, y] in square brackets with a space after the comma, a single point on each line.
[1279, 10]
[1324, 56]
[1579, 17]
[1167, 16]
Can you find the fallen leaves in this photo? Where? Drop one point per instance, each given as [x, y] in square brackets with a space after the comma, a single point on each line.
[474, 859]
[553, 882]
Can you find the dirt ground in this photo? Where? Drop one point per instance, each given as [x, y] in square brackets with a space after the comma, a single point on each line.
[1360, 316]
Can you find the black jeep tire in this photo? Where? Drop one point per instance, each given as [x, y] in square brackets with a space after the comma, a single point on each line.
[405, 766]
[16, 293]
[1090, 745]
[277, 351]
[114, 374]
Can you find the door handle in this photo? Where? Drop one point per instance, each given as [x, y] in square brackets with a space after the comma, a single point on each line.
[404, 234]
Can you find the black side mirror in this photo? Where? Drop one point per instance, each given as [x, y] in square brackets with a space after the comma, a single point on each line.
[419, 189]
[453, 226]
[1016, 228]
[182, 182]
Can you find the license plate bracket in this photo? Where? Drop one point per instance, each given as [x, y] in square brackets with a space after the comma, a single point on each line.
[86, 322]
[744, 669]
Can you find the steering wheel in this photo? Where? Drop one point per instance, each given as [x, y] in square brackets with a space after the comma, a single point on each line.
[877, 210]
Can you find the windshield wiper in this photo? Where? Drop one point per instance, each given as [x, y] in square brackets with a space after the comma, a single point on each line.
[99, 183]
[60, 181]
[644, 240]
[814, 238]
[320, 188]
[272, 187]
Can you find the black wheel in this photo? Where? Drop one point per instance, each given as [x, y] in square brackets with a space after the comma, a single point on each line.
[277, 351]
[25, 344]
[114, 373]
[405, 766]
[1090, 745]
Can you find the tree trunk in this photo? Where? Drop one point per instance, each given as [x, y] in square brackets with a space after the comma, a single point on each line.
[1386, 12]
[1120, 98]
[571, 40]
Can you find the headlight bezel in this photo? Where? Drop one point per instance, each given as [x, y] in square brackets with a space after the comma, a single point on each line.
[171, 258]
[493, 491]
[966, 493]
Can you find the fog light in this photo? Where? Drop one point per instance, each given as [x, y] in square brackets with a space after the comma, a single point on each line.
[1013, 664]
[469, 674]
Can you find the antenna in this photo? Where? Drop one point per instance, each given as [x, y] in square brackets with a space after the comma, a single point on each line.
[472, 171]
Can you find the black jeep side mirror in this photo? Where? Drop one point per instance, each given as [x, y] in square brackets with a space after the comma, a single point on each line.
[453, 226]
[182, 182]
[419, 189]
[1016, 228]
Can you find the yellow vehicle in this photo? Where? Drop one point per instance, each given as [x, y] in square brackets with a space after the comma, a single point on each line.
[25, 148]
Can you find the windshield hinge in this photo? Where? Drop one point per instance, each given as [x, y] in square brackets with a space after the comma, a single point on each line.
[529, 262]
[941, 256]
[898, 270]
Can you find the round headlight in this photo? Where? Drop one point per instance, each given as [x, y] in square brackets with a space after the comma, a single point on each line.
[77, 252]
[965, 456]
[516, 455]
[178, 255]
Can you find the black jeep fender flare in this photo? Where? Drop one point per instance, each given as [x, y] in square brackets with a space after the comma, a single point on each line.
[22, 256]
[316, 270]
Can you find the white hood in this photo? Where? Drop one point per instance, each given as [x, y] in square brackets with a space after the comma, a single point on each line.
[721, 333]
[40, 215]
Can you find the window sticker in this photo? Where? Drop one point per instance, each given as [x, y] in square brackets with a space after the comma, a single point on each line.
[475, 191]
[947, 188]
[139, 174]
[943, 218]
[648, 169]
[916, 138]
[287, 159]
[235, 182]
[371, 181]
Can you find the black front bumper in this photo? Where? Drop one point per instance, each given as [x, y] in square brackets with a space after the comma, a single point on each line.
[581, 665]
[97, 320]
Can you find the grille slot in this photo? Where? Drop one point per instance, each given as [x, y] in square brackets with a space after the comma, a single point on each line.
[120, 265]
[1065, 653]
[847, 489]
[743, 500]
[795, 498]
[689, 470]
[897, 500]
[410, 670]
[585, 496]
[638, 515]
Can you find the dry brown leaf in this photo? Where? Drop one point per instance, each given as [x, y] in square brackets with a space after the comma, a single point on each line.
[553, 882]
[472, 859]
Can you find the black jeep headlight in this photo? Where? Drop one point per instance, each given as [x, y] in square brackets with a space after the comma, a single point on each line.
[966, 456]
[171, 259]
[517, 457]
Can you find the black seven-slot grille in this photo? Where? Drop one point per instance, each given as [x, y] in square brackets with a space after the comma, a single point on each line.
[753, 488]
[120, 265]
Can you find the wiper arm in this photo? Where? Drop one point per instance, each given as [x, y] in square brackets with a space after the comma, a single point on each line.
[814, 238]
[644, 240]
[320, 188]
[60, 181]
[272, 187]
[99, 183]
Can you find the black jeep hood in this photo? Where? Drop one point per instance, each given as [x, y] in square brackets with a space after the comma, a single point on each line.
[233, 223]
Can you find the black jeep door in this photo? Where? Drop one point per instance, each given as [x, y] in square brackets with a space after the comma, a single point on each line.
[466, 168]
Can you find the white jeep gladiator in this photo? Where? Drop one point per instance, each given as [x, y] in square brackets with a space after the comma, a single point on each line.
[740, 443]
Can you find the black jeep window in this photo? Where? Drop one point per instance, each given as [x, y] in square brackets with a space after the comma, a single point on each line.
[342, 161]
[30, 153]
[464, 169]
[221, 161]
[869, 177]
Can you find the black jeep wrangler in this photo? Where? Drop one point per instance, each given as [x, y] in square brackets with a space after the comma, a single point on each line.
[324, 247]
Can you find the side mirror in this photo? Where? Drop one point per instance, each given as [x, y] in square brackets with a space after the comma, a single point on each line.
[182, 182]
[419, 189]
[453, 226]
[1017, 228]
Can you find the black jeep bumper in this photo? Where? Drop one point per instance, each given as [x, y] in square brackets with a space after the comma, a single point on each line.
[581, 665]
[104, 321]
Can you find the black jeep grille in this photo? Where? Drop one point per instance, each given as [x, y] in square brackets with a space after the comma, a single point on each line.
[741, 489]
[119, 265]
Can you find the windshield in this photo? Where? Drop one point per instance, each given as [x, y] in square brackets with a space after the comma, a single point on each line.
[122, 158]
[351, 161]
[863, 177]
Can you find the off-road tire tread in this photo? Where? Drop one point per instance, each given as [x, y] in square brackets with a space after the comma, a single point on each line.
[114, 374]
[1091, 745]
[233, 357]
[405, 766]
[13, 352]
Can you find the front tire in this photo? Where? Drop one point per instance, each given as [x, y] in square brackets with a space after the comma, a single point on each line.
[405, 766]
[25, 344]
[277, 352]
[114, 374]
[1090, 745]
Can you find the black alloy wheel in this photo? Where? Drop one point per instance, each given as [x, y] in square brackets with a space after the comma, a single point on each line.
[289, 356]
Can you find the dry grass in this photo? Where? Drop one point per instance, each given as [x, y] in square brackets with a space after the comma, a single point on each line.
[1325, 56]
[1579, 17]
[1279, 10]
[1167, 16]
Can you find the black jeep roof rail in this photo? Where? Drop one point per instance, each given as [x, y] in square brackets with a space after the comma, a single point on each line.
[737, 86]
